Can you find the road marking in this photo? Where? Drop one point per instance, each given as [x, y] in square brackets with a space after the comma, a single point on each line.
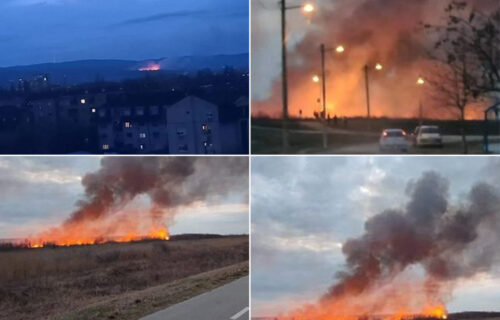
[239, 314]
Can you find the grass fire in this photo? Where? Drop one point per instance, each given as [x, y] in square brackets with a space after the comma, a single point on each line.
[114, 255]
[407, 261]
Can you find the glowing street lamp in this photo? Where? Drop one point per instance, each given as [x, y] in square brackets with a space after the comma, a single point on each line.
[339, 49]
[378, 67]
[420, 84]
[315, 78]
[306, 8]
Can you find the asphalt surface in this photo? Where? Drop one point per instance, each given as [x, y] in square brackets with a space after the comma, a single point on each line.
[229, 302]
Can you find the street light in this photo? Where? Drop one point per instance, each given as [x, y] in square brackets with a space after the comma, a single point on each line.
[315, 78]
[339, 50]
[420, 84]
[378, 67]
[306, 8]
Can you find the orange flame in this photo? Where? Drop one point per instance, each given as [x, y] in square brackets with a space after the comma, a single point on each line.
[126, 226]
[68, 240]
[151, 67]
[396, 301]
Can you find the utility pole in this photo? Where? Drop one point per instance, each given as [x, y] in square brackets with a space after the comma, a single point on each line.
[307, 8]
[284, 77]
[323, 77]
[367, 87]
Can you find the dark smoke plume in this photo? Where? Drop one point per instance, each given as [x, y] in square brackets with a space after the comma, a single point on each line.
[450, 242]
[168, 181]
[373, 31]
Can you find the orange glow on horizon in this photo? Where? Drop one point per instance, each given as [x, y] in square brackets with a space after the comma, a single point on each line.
[399, 299]
[151, 67]
[67, 241]
[124, 226]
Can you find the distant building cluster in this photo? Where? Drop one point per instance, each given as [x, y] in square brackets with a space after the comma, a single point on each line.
[116, 122]
[36, 83]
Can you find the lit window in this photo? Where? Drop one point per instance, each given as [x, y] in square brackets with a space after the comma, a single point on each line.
[83, 101]
[128, 125]
[93, 110]
[204, 127]
[105, 147]
[142, 147]
[142, 135]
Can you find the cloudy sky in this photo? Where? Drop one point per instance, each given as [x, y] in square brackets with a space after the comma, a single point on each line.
[303, 208]
[40, 192]
[37, 31]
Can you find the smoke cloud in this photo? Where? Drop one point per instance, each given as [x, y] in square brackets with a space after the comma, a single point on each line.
[449, 242]
[168, 183]
[373, 31]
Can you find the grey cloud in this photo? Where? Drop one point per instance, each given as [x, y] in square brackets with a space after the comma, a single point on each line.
[165, 15]
[296, 197]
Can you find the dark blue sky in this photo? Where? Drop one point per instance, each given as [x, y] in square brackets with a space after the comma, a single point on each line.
[37, 31]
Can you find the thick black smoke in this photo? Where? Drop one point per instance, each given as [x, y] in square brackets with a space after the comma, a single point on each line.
[450, 242]
[373, 31]
[168, 181]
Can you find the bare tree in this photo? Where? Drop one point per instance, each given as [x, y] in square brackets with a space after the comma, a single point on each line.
[451, 89]
[477, 33]
[466, 59]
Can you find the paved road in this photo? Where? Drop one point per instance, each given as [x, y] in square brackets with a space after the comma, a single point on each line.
[229, 302]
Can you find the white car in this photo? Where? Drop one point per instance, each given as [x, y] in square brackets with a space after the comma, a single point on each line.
[428, 136]
[393, 140]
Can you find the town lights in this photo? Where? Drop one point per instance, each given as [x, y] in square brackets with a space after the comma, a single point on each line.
[315, 79]
[308, 8]
[420, 81]
[340, 49]
[83, 101]
[378, 67]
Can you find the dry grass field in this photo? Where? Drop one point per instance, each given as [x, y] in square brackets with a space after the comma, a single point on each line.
[115, 281]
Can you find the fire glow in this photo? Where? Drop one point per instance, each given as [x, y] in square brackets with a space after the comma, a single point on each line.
[134, 198]
[395, 302]
[151, 67]
[91, 234]
[394, 47]
[408, 260]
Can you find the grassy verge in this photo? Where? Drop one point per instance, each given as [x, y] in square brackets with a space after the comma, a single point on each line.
[40, 284]
[269, 141]
[134, 305]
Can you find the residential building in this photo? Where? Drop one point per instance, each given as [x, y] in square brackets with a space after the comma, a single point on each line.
[193, 127]
[132, 128]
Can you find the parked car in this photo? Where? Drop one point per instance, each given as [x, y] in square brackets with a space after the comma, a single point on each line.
[393, 140]
[427, 136]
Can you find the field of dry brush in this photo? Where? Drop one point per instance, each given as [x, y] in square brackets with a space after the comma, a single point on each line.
[63, 283]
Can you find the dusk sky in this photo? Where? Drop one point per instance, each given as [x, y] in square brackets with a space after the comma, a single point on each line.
[39, 31]
[304, 208]
[41, 192]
